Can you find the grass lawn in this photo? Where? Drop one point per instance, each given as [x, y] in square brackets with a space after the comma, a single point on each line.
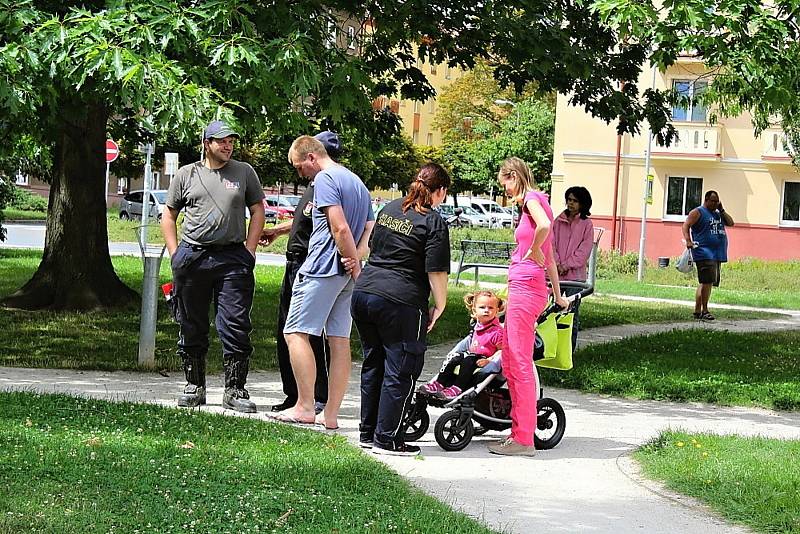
[755, 369]
[81, 465]
[14, 214]
[108, 340]
[754, 481]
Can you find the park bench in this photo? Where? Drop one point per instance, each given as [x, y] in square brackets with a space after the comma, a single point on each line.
[499, 251]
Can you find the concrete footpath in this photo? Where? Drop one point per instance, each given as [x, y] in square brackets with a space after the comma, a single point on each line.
[586, 484]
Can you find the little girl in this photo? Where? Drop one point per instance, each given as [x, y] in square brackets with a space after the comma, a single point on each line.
[485, 340]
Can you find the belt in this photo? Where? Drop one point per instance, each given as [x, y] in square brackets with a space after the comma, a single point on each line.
[295, 256]
[212, 247]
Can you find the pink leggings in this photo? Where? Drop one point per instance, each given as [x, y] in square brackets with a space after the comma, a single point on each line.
[526, 301]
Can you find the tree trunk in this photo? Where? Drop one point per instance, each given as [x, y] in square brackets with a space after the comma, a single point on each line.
[76, 271]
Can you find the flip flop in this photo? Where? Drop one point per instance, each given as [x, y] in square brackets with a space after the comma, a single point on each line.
[286, 418]
[321, 423]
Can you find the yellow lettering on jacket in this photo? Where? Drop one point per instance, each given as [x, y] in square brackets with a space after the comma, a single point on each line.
[401, 226]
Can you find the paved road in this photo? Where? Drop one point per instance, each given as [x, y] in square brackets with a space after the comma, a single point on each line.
[586, 484]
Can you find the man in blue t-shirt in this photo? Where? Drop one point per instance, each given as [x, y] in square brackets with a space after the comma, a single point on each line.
[709, 244]
[342, 222]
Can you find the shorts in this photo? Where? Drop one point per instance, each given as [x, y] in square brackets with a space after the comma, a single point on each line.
[708, 271]
[320, 304]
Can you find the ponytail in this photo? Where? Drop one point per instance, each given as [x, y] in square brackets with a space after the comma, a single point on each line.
[431, 177]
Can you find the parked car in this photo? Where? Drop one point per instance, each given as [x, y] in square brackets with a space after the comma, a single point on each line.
[494, 212]
[468, 216]
[270, 214]
[131, 205]
[284, 205]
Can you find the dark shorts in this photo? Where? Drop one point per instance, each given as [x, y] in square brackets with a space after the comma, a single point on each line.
[708, 271]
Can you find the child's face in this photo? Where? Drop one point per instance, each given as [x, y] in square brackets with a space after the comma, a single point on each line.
[485, 309]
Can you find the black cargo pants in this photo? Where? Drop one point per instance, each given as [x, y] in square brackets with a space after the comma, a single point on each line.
[222, 275]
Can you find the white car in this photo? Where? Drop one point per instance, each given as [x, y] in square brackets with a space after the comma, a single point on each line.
[490, 209]
[130, 207]
[472, 216]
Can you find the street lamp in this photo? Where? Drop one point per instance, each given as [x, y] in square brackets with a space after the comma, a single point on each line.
[504, 102]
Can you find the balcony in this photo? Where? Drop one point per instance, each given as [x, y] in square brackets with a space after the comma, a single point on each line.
[695, 141]
[774, 151]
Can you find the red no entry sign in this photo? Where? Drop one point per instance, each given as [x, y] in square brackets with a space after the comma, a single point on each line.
[112, 151]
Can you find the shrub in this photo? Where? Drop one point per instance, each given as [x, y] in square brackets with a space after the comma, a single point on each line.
[22, 199]
[611, 262]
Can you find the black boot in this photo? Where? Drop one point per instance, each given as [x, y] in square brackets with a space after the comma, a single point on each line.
[194, 367]
[236, 396]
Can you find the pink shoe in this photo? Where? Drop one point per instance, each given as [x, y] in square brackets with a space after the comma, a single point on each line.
[449, 393]
[430, 388]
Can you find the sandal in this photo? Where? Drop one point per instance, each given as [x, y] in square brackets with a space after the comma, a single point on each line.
[697, 315]
[705, 316]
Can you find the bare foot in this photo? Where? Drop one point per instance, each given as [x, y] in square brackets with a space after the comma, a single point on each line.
[295, 415]
[321, 420]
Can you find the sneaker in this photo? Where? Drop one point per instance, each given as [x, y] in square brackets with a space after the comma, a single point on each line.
[365, 443]
[319, 407]
[238, 399]
[396, 450]
[509, 447]
[449, 393]
[430, 388]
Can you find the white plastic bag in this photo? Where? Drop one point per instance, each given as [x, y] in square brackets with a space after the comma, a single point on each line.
[685, 263]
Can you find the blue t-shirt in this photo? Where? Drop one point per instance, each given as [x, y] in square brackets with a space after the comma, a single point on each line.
[709, 234]
[335, 186]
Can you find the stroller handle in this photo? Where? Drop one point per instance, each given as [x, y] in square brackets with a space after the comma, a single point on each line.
[586, 289]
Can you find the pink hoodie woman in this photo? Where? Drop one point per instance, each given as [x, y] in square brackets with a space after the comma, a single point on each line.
[573, 235]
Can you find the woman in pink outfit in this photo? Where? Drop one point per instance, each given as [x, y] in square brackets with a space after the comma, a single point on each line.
[573, 235]
[527, 298]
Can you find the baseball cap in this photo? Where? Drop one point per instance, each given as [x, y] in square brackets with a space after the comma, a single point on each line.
[330, 140]
[218, 130]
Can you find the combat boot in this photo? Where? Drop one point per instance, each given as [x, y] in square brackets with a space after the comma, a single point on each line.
[236, 396]
[194, 368]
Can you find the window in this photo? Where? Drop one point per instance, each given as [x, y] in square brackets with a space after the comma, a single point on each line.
[430, 139]
[120, 185]
[790, 212]
[691, 111]
[21, 179]
[433, 68]
[447, 72]
[415, 137]
[683, 195]
[431, 105]
[155, 182]
[416, 106]
[351, 37]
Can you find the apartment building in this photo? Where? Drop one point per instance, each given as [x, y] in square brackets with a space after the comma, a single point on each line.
[418, 116]
[754, 176]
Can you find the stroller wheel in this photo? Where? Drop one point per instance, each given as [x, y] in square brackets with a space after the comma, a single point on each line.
[453, 430]
[550, 424]
[417, 422]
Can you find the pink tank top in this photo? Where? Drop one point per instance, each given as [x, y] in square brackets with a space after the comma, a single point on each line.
[525, 269]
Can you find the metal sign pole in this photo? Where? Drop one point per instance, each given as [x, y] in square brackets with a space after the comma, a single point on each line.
[152, 266]
[643, 235]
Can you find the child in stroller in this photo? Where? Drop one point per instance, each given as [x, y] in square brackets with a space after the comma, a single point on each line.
[476, 350]
[487, 402]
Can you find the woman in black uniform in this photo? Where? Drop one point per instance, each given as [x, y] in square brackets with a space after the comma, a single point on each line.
[409, 260]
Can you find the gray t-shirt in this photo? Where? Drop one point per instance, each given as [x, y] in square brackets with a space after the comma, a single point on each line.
[335, 186]
[215, 201]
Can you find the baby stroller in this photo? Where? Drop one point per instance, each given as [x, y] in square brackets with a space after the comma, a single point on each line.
[487, 404]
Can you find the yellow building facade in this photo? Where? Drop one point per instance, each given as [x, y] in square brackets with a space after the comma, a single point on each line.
[754, 176]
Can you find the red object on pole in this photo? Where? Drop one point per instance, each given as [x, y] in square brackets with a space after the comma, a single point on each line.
[112, 151]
